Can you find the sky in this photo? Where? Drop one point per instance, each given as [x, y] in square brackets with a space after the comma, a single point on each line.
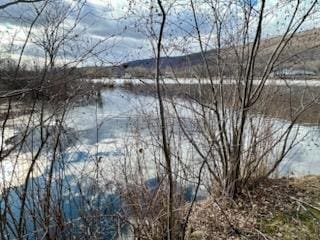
[119, 31]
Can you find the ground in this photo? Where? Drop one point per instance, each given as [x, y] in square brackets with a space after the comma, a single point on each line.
[286, 208]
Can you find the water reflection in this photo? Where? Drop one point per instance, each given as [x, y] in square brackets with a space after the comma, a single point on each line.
[122, 113]
[101, 130]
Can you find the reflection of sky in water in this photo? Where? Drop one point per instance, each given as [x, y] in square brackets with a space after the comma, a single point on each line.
[118, 117]
[76, 202]
[120, 109]
[75, 157]
[117, 107]
[115, 120]
[305, 157]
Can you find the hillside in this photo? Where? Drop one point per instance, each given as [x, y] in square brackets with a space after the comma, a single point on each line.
[302, 53]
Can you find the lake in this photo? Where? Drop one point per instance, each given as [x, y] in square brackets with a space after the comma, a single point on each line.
[122, 119]
[116, 137]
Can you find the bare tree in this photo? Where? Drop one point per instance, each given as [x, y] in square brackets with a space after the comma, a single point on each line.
[215, 135]
[165, 146]
[225, 118]
[37, 181]
[3, 6]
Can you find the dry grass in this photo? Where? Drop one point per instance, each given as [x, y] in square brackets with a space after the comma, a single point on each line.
[276, 101]
[274, 209]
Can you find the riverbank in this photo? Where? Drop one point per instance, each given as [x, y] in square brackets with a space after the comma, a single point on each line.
[282, 99]
[277, 101]
[285, 208]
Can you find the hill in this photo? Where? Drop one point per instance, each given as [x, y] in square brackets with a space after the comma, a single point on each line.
[302, 55]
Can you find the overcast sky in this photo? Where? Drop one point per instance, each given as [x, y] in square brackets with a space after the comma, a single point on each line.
[121, 31]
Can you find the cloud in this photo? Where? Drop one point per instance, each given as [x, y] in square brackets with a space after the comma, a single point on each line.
[124, 30]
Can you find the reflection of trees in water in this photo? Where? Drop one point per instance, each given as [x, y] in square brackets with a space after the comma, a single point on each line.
[85, 209]
[95, 200]
[99, 99]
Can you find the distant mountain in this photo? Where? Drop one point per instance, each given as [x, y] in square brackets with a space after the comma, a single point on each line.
[177, 61]
[303, 52]
[301, 55]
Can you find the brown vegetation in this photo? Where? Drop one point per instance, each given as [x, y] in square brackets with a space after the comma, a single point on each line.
[285, 208]
[282, 101]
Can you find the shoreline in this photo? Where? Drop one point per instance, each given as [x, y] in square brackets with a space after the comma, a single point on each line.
[192, 81]
[282, 208]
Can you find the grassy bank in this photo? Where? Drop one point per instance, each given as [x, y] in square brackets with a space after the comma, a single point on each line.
[286, 208]
[276, 101]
